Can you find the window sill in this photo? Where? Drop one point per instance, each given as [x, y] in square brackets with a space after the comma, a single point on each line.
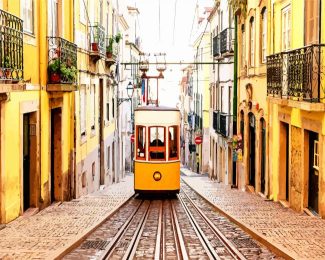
[83, 139]
[92, 133]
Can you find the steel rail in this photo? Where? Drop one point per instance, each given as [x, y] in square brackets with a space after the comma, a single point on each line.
[159, 237]
[202, 237]
[179, 241]
[119, 234]
[227, 243]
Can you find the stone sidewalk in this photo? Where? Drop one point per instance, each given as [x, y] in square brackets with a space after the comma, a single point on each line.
[295, 234]
[48, 233]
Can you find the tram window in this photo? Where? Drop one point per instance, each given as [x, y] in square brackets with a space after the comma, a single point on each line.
[141, 142]
[157, 149]
[173, 142]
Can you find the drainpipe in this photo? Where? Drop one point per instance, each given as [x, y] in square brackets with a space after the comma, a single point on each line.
[234, 109]
[319, 52]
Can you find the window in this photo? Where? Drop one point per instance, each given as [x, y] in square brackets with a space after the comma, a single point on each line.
[107, 18]
[286, 28]
[82, 109]
[312, 21]
[316, 155]
[141, 142]
[113, 108]
[173, 142]
[157, 146]
[92, 106]
[101, 10]
[264, 35]
[82, 11]
[243, 46]
[252, 41]
[108, 158]
[107, 101]
[54, 11]
[27, 7]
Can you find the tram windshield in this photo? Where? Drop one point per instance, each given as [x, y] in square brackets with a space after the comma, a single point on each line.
[157, 147]
[172, 139]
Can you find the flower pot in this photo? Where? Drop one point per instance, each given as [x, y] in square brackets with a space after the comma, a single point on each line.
[109, 54]
[55, 77]
[8, 73]
[94, 46]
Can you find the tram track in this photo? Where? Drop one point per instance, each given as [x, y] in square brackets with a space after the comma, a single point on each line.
[182, 227]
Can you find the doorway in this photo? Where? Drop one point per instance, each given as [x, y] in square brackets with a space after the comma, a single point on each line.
[56, 154]
[313, 171]
[29, 153]
[252, 138]
[284, 162]
[101, 133]
[113, 162]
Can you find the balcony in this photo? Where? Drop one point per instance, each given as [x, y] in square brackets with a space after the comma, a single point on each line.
[62, 65]
[227, 41]
[221, 123]
[11, 52]
[216, 46]
[297, 75]
[97, 42]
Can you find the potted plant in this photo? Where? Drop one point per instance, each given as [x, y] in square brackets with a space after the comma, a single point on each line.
[118, 37]
[7, 66]
[54, 71]
[68, 73]
[109, 47]
[94, 44]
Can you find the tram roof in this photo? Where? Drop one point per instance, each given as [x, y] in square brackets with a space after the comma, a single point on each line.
[155, 108]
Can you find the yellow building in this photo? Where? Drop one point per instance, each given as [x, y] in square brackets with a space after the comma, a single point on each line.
[253, 35]
[36, 110]
[95, 101]
[295, 88]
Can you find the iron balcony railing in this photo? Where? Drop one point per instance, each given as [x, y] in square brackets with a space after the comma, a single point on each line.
[221, 123]
[216, 121]
[97, 39]
[216, 46]
[62, 61]
[227, 40]
[297, 74]
[11, 47]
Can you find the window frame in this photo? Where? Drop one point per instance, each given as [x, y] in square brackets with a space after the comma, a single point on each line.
[175, 127]
[83, 110]
[263, 52]
[156, 149]
[243, 46]
[23, 9]
[137, 141]
[286, 28]
[252, 42]
[92, 105]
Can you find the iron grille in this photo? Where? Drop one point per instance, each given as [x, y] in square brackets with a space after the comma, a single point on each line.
[216, 121]
[297, 74]
[216, 46]
[97, 38]
[11, 47]
[227, 41]
[62, 61]
[224, 126]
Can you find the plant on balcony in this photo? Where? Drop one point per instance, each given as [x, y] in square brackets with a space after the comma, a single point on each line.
[54, 71]
[109, 47]
[118, 37]
[95, 42]
[7, 66]
[68, 73]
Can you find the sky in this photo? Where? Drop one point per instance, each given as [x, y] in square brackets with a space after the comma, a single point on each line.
[171, 37]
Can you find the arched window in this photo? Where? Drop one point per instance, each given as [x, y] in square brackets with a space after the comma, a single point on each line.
[263, 34]
[252, 42]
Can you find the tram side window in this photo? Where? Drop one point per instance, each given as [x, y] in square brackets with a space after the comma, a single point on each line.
[141, 142]
[157, 148]
[173, 142]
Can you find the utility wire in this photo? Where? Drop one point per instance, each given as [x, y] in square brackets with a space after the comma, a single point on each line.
[193, 20]
[159, 19]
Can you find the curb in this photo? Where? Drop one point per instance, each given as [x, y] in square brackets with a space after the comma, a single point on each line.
[274, 247]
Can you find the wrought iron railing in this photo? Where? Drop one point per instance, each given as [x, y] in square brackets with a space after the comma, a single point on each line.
[216, 121]
[297, 74]
[227, 40]
[62, 61]
[216, 46]
[97, 39]
[11, 47]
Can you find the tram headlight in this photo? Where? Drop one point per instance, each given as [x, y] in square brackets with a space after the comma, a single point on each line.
[157, 176]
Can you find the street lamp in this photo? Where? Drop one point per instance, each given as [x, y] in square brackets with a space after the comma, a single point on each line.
[129, 91]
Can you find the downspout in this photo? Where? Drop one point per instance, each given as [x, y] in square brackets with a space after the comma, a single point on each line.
[74, 163]
[319, 51]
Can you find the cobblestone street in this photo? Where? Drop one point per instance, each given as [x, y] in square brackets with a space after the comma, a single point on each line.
[297, 235]
[51, 231]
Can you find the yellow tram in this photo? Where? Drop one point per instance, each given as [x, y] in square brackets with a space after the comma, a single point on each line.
[157, 149]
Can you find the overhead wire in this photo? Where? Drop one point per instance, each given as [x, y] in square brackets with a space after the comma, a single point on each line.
[196, 5]
[174, 22]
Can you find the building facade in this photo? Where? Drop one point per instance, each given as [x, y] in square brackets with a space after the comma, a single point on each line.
[221, 166]
[295, 98]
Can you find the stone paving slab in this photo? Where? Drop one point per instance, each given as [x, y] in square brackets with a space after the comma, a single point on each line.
[47, 234]
[295, 234]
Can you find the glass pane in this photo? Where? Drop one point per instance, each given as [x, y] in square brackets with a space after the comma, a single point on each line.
[173, 142]
[141, 142]
[157, 143]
